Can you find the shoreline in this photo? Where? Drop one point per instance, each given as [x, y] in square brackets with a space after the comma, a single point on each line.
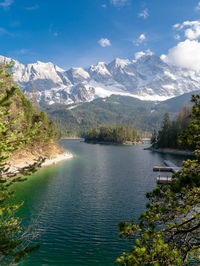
[58, 159]
[171, 151]
[51, 161]
[75, 138]
[113, 143]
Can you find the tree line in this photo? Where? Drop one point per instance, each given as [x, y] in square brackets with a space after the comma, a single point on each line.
[168, 232]
[113, 134]
[169, 134]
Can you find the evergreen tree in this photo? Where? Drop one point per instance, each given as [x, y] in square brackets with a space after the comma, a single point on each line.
[191, 136]
[115, 134]
[168, 136]
[168, 232]
[163, 134]
[154, 137]
[13, 240]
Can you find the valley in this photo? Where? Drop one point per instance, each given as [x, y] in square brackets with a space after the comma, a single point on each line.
[144, 116]
[94, 96]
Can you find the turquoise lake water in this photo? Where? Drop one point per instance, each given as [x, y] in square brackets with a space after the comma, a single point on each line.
[75, 207]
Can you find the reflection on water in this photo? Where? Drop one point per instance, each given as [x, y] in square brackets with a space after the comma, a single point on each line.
[78, 204]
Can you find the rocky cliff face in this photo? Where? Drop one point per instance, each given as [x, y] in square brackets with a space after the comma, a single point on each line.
[147, 78]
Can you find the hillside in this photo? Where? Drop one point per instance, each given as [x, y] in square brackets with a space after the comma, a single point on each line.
[144, 116]
[37, 132]
[173, 105]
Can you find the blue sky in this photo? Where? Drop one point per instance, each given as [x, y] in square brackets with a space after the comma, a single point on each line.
[83, 32]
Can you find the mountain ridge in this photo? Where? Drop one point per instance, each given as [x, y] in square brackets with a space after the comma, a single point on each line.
[144, 116]
[147, 77]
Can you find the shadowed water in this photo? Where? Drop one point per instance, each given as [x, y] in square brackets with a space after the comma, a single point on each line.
[77, 205]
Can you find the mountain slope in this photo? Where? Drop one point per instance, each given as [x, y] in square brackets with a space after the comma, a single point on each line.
[37, 133]
[144, 116]
[174, 105]
[147, 78]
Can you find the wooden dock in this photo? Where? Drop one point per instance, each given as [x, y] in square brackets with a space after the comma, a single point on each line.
[174, 168]
[162, 169]
[169, 167]
[164, 179]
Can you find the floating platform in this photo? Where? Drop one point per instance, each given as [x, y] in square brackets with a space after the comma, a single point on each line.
[174, 168]
[162, 169]
[169, 167]
[164, 179]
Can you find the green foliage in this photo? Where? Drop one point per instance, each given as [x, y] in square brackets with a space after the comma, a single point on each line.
[115, 110]
[168, 136]
[191, 136]
[32, 123]
[168, 232]
[20, 124]
[115, 134]
[163, 138]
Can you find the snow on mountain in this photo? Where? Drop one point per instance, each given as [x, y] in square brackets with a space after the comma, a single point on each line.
[82, 92]
[100, 72]
[147, 77]
[77, 75]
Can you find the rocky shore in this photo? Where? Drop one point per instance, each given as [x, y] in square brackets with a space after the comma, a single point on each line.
[53, 153]
[14, 166]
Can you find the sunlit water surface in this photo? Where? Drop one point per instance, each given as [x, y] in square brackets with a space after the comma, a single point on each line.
[75, 207]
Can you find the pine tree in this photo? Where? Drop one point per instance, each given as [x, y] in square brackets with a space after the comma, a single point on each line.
[13, 245]
[168, 232]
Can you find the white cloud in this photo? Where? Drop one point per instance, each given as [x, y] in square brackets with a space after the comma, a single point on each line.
[140, 39]
[104, 42]
[6, 3]
[197, 8]
[142, 53]
[119, 3]
[144, 14]
[185, 54]
[191, 29]
[104, 6]
[176, 26]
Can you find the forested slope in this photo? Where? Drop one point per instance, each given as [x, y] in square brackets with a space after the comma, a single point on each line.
[115, 110]
[37, 132]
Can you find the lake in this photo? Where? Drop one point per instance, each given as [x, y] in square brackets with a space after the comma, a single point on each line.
[75, 207]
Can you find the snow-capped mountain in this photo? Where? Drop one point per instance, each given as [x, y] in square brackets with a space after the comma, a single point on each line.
[147, 78]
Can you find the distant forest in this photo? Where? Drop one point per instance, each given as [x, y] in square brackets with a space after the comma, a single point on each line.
[144, 116]
[114, 134]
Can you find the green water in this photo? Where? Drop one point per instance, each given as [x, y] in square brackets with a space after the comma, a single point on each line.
[75, 207]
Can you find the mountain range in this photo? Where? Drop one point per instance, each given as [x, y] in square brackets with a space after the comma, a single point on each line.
[145, 116]
[147, 77]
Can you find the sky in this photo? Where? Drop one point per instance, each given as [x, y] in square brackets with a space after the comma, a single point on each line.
[78, 33]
